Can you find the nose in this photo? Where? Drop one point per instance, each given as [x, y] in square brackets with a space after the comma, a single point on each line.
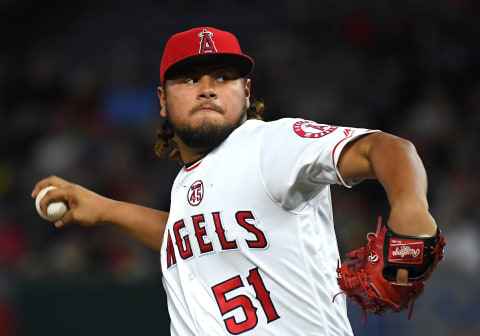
[207, 88]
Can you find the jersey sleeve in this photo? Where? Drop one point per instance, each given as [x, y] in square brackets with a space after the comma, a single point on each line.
[298, 157]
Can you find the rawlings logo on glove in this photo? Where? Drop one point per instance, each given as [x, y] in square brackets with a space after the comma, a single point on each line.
[368, 276]
[406, 253]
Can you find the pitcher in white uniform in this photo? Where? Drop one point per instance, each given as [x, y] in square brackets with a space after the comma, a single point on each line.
[248, 246]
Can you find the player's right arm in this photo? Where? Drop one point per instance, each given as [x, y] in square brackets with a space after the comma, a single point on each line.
[88, 209]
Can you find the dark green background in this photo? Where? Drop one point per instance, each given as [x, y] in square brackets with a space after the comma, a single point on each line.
[92, 309]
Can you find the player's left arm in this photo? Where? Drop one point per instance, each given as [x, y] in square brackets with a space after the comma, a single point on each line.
[395, 163]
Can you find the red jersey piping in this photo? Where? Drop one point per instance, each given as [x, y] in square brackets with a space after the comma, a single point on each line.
[333, 155]
[193, 167]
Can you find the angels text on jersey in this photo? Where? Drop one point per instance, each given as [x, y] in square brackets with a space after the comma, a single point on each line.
[195, 238]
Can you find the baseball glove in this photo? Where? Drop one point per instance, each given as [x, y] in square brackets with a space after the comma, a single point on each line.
[368, 276]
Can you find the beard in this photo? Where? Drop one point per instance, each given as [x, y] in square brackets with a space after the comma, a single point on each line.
[207, 136]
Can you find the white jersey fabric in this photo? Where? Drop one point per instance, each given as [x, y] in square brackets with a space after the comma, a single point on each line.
[250, 246]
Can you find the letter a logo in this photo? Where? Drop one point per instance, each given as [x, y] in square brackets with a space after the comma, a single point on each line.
[206, 43]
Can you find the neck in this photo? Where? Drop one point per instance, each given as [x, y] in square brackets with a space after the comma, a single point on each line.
[189, 154]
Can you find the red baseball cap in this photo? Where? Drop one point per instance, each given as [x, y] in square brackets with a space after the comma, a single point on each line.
[204, 45]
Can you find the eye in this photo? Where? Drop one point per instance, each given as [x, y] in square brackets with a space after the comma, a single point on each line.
[191, 81]
[222, 76]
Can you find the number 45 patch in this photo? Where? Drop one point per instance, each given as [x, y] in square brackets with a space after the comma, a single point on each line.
[244, 302]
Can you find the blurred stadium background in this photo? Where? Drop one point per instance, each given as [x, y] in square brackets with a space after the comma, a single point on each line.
[78, 99]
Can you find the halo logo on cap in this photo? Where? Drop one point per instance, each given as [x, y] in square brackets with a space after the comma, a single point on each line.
[207, 45]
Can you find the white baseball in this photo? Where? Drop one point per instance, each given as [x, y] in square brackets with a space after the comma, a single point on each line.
[55, 210]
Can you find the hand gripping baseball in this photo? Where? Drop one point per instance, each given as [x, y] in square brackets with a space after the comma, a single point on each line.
[83, 206]
[369, 274]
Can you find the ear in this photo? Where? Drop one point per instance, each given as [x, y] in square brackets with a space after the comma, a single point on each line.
[248, 83]
[161, 98]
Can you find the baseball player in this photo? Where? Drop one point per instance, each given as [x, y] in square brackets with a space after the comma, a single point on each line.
[248, 246]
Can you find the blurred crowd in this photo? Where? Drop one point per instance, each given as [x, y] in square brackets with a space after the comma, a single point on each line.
[78, 100]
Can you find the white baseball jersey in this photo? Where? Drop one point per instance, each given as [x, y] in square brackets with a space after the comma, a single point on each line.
[250, 246]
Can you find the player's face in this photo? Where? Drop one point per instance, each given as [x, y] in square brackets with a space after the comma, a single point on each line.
[205, 103]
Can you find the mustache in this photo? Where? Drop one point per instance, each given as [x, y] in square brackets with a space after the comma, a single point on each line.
[211, 106]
